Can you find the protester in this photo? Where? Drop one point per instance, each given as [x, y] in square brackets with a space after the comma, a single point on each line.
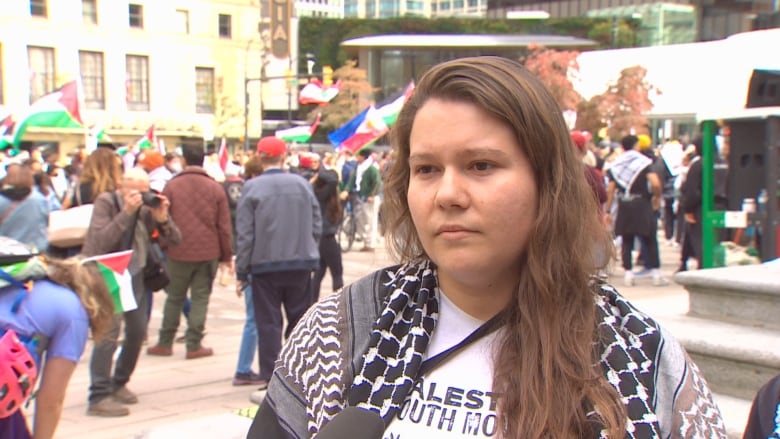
[24, 212]
[493, 324]
[363, 187]
[326, 188]
[102, 172]
[66, 300]
[637, 188]
[122, 220]
[153, 162]
[279, 223]
[248, 347]
[764, 419]
[199, 208]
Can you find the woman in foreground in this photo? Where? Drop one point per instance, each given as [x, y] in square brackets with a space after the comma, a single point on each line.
[493, 325]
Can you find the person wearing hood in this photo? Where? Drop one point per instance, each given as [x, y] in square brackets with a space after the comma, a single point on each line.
[24, 212]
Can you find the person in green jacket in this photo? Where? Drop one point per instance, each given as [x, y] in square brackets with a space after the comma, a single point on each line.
[363, 187]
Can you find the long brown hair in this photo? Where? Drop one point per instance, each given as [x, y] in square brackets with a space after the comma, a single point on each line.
[546, 365]
[103, 170]
[85, 280]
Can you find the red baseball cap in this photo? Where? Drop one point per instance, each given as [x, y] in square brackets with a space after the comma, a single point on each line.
[271, 147]
[580, 139]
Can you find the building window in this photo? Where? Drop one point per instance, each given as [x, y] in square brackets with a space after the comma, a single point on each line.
[204, 90]
[182, 21]
[137, 82]
[136, 15]
[91, 65]
[89, 11]
[224, 26]
[38, 8]
[41, 71]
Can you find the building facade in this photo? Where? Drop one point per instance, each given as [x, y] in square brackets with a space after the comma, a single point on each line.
[190, 68]
[663, 22]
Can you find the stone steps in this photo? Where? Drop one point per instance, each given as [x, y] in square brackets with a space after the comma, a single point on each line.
[732, 332]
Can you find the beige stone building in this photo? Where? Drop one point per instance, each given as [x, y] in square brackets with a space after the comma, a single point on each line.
[182, 65]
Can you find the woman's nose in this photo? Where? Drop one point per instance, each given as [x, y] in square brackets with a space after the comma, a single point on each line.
[452, 190]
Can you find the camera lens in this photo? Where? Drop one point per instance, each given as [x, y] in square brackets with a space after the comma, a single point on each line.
[151, 199]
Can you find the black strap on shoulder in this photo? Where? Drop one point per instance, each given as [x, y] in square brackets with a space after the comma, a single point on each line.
[129, 236]
[485, 329]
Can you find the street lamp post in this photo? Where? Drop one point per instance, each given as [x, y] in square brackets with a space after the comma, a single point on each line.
[293, 79]
[263, 61]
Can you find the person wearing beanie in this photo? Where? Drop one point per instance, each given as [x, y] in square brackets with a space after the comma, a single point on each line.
[153, 163]
[277, 235]
[636, 186]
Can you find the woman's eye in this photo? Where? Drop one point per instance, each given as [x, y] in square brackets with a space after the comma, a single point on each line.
[423, 169]
[482, 166]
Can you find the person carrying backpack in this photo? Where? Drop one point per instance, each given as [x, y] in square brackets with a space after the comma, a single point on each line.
[46, 306]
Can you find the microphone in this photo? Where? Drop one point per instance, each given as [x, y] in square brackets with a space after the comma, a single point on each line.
[353, 423]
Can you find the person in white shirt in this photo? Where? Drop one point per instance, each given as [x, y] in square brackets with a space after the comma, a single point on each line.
[493, 324]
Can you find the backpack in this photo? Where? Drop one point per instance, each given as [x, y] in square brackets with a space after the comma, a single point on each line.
[20, 355]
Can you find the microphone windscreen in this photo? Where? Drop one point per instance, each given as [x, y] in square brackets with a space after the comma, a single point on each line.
[353, 423]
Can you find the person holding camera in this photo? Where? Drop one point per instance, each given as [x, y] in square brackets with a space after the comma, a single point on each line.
[122, 220]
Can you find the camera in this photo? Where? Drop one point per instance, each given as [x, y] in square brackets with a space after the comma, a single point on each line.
[151, 199]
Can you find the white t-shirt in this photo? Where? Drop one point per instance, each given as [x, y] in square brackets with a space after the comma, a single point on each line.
[455, 399]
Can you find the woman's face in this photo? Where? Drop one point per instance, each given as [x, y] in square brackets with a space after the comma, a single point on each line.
[472, 195]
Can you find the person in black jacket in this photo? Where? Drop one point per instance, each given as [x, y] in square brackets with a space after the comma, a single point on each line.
[764, 419]
[326, 185]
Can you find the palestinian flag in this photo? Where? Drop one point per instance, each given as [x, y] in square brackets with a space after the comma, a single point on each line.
[316, 93]
[59, 109]
[300, 134]
[113, 267]
[391, 110]
[148, 141]
[6, 127]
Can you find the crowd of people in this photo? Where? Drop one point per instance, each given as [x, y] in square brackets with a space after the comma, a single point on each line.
[641, 186]
[494, 323]
[183, 215]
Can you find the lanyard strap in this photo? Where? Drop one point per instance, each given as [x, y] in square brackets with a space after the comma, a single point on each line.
[4, 275]
[437, 360]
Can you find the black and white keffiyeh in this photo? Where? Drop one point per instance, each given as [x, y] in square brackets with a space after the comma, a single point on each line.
[626, 168]
[364, 347]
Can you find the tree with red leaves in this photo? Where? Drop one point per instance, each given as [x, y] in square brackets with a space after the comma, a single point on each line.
[625, 104]
[555, 68]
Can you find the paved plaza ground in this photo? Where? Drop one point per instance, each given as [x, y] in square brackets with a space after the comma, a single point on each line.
[196, 399]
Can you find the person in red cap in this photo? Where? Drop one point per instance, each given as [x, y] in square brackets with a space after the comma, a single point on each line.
[592, 174]
[277, 235]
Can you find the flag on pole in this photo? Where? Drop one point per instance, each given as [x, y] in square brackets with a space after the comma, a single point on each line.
[390, 111]
[149, 140]
[300, 134]
[371, 124]
[113, 268]
[58, 109]
[316, 93]
[223, 154]
[96, 135]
